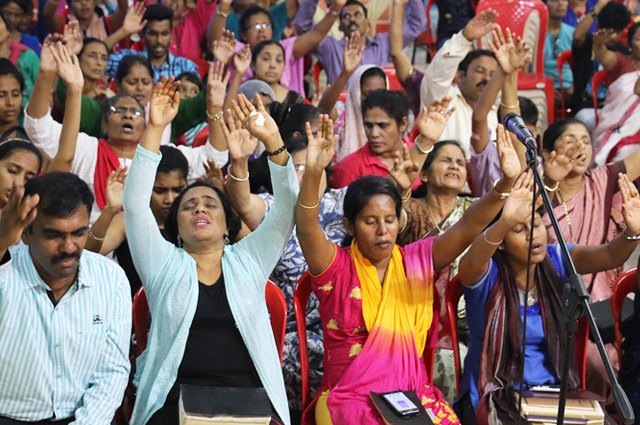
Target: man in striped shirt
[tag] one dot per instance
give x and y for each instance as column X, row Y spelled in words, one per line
column 65, row 313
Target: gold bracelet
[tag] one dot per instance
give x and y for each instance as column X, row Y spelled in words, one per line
column 307, row 207
column 550, row 189
column 214, row 117
column 510, row 106
column 501, row 195
column 407, row 196
column 484, row 235
column 95, row 238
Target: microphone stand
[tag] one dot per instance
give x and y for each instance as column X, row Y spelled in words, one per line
column 576, row 302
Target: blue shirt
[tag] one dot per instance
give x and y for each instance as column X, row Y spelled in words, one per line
column 538, row 369
column 174, row 65
column 31, row 42
column 71, row 359
column 278, row 13
column 552, row 49
column 571, row 18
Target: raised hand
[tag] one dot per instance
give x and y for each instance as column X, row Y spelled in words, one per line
column 404, row 171
column 17, row 215
column 321, row 147
column 630, row 204
column 47, row 62
column 68, row 66
column 165, row 102
column 115, row 188
column 134, row 20
column 432, row 121
column 239, row 141
column 72, row 37
column 509, row 161
column 480, row 25
column 518, row 205
column 213, row 174
column 242, row 60
column 559, row 163
column 353, row 51
column 259, row 123
column 217, row 80
column 510, row 52
column 317, row 96
column 223, row 49
column 604, row 36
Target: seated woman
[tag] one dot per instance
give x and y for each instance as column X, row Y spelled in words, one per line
column 93, row 60
column 376, row 299
column 267, row 64
column 199, row 277
column 14, row 13
column 629, row 376
column 494, row 272
column 20, row 161
column 11, row 89
column 21, row 56
column 91, row 158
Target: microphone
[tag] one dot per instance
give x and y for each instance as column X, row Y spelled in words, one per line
column 514, row 123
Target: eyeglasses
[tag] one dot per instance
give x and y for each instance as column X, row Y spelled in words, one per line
column 258, row 27
column 122, row 110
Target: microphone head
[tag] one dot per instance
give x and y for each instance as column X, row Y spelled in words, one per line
column 510, row 117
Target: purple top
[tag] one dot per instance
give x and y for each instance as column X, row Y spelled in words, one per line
column 330, row 51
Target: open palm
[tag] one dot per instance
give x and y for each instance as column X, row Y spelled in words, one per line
column 403, row 170
column 265, row 128
column 432, row 121
column 165, row 102
column 239, row 141
column 509, row 162
column 518, row 206
column 321, row 147
column 630, row 203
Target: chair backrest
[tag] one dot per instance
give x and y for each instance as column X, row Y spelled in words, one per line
column 276, row 303
column 528, row 19
column 317, row 69
column 301, row 294
column 394, row 83
column 623, row 286
column 598, row 77
column 429, row 38
column 565, row 57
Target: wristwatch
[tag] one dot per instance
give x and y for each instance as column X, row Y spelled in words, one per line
column 593, row 14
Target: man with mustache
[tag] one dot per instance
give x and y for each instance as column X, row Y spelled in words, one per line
column 65, row 312
column 462, row 73
column 352, row 18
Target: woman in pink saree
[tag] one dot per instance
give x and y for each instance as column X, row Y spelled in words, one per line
column 376, row 298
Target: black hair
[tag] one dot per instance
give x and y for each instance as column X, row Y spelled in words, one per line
column 61, row 194
column 394, row 103
column 614, row 16
column 128, row 62
column 260, row 46
column 12, row 145
column 90, row 40
column 173, row 161
column 231, row 218
column 421, row 191
column 296, row 144
column 357, row 3
column 158, row 12
column 360, row 192
column 107, row 104
column 247, row 14
column 555, row 129
column 192, row 78
column 8, row 68
column 296, row 118
column 528, row 110
column 25, row 5
column 631, row 33
column 374, row 71
column 473, row 55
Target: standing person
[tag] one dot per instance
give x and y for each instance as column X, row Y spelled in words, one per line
column 70, row 365
column 200, row 276
column 353, row 18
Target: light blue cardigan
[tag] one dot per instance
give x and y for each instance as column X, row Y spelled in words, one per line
column 170, row 281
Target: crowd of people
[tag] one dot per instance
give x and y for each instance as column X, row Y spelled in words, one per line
column 178, row 150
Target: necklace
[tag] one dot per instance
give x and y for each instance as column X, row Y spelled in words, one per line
column 566, row 214
column 531, row 296
column 433, row 220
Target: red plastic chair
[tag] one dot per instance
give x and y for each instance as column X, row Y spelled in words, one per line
column 394, row 83
column 276, row 303
column 565, row 57
column 426, row 39
column 452, row 296
column 624, row 285
column 301, row 294
column 598, row 77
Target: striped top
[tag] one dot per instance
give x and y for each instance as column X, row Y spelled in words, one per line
column 68, row 360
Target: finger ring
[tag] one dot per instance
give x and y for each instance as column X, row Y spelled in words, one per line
column 634, row 195
column 442, row 112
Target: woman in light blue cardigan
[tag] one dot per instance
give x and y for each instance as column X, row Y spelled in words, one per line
column 173, row 273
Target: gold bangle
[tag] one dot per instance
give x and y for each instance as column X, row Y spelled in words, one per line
column 510, row 106
column 307, row 207
column 550, row 189
column 95, row 238
column 501, row 195
column 214, row 117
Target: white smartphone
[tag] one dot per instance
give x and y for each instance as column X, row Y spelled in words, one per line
column 400, row 403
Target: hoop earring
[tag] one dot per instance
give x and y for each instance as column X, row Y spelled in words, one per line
column 226, row 239
column 179, row 242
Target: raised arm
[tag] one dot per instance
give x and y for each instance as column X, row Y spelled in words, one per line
column 218, row 22
column 596, row 258
column 317, row 250
column 606, row 57
column 585, row 22
column 17, row 215
column 50, row 13
column 133, row 23
column 304, row 18
column 416, row 21
column 118, row 15
column 517, row 209
column 217, row 80
column 292, row 7
column 46, row 81
column 242, row 62
column 401, row 61
column 104, row 236
column 448, row 246
column 308, row 41
column 250, row 207
column 70, row 72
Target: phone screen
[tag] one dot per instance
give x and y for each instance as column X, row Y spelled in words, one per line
column 401, row 403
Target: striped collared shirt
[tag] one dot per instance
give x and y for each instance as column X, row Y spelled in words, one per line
column 67, row 360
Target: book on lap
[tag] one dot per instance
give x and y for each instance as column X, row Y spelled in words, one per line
column 223, row 405
column 582, row 408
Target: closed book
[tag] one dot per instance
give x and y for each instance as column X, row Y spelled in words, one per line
column 546, row 409
column 223, row 405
